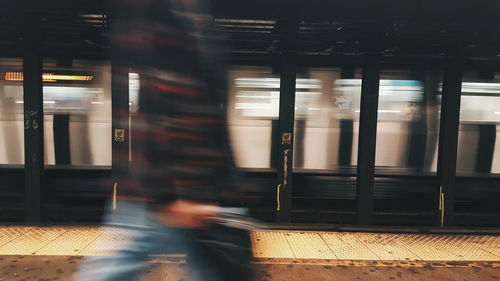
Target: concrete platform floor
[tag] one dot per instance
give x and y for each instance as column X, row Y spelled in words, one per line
column 30, row 253
column 62, row 268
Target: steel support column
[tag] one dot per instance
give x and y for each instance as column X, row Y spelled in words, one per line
column 367, row 139
column 286, row 29
column 286, row 122
column 120, row 115
column 33, row 129
column 448, row 140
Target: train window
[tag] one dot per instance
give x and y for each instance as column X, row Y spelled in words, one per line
column 408, row 122
column 326, row 119
column 133, row 92
column 11, row 113
column 253, row 115
column 77, row 113
column 479, row 134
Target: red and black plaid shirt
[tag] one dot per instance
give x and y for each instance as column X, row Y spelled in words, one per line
column 178, row 136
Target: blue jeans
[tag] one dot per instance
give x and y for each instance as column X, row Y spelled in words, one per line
column 145, row 237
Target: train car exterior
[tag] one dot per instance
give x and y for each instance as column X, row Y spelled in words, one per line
column 77, row 121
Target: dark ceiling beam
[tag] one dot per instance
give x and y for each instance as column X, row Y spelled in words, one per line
column 286, row 28
column 402, row 28
column 422, row 11
column 338, row 59
column 453, row 11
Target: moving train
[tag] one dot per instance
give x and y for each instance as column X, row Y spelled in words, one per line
column 327, row 120
column 327, row 111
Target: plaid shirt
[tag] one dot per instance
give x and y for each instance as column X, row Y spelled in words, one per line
column 179, row 141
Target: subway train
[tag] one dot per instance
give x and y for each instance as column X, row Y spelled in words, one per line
column 76, row 98
column 327, row 107
column 327, row 119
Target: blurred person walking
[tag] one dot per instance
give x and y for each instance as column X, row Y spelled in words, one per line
column 169, row 192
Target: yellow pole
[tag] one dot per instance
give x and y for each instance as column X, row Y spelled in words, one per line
column 114, row 195
column 278, row 207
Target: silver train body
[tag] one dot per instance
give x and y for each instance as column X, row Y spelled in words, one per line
column 327, row 121
column 326, row 114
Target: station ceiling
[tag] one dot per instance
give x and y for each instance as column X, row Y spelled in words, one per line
column 261, row 29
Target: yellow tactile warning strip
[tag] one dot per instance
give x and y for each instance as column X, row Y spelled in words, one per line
column 489, row 245
column 264, row 242
column 270, row 245
column 72, row 241
column 388, row 246
column 106, row 242
column 31, row 241
column 456, row 247
column 9, row 233
column 306, row 245
column 346, row 246
column 377, row 246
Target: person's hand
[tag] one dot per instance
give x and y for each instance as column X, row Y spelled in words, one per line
column 187, row 214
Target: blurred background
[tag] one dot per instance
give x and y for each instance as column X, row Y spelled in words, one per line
column 327, row 44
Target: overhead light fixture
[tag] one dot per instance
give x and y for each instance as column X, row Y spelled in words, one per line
column 245, row 21
column 13, row 76
column 64, row 77
column 49, row 77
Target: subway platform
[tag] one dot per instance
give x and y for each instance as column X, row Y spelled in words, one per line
column 54, row 253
